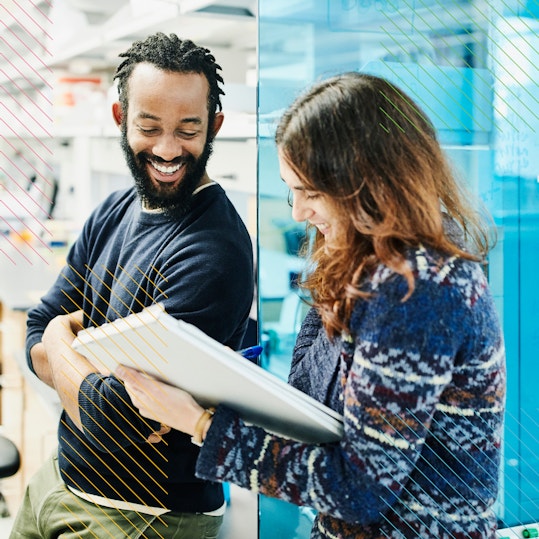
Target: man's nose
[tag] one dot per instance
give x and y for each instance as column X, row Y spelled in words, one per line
column 167, row 147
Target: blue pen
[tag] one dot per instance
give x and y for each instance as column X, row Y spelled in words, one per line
column 252, row 352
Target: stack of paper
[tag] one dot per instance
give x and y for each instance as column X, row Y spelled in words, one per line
column 154, row 342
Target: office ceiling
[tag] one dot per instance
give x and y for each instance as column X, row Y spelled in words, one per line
column 110, row 26
column 85, row 36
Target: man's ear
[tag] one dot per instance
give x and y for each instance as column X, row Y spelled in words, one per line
column 217, row 123
column 117, row 113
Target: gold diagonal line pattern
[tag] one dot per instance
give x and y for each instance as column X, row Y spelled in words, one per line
column 84, row 510
column 93, row 289
column 109, row 288
column 140, row 303
column 130, row 277
column 97, row 473
column 150, row 280
column 156, row 318
column 121, row 414
column 112, row 502
column 156, row 271
column 75, row 401
column 74, row 286
column 117, row 281
column 108, row 434
column 129, row 312
column 79, row 307
column 149, row 361
column 101, row 494
column 78, row 435
column 81, row 439
column 67, row 525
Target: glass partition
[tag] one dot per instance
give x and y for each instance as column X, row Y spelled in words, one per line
column 472, row 65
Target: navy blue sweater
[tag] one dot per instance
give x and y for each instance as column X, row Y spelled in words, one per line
column 200, row 267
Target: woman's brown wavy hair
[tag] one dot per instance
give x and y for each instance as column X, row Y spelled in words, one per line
column 361, row 141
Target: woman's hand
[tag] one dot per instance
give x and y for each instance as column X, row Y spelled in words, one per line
column 159, row 401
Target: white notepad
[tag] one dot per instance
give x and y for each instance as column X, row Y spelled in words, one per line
column 179, row 353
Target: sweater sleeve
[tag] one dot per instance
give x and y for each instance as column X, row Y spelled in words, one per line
column 403, row 360
column 63, row 297
column 109, row 420
column 313, row 358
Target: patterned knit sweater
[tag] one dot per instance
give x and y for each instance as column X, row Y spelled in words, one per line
column 421, row 385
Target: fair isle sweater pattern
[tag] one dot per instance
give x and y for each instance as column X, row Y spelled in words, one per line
column 421, row 385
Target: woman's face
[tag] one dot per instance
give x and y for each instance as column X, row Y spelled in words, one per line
column 314, row 207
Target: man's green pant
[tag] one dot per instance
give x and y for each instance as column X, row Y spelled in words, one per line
column 50, row 510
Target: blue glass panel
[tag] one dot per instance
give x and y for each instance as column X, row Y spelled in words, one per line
column 473, row 67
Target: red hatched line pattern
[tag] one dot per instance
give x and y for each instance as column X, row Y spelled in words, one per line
column 26, row 122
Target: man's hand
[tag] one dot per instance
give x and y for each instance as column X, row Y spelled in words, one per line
column 66, row 368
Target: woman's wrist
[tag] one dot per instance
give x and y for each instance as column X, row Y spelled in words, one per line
column 207, row 427
column 202, row 425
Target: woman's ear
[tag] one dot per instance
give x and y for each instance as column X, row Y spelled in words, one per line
column 117, row 113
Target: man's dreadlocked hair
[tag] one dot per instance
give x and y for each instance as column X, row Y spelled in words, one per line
column 170, row 53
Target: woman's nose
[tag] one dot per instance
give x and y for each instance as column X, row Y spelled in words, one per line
column 300, row 209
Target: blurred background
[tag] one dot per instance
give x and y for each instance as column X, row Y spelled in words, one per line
column 471, row 64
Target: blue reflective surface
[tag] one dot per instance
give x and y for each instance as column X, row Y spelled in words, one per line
column 472, row 66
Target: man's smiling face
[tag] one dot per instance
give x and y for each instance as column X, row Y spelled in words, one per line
column 165, row 135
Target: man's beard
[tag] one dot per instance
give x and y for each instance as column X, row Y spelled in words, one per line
column 176, row 200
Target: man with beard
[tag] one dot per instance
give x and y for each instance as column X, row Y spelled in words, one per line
column 174, row 238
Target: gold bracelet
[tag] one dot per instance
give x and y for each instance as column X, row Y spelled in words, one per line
column 199, row 427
